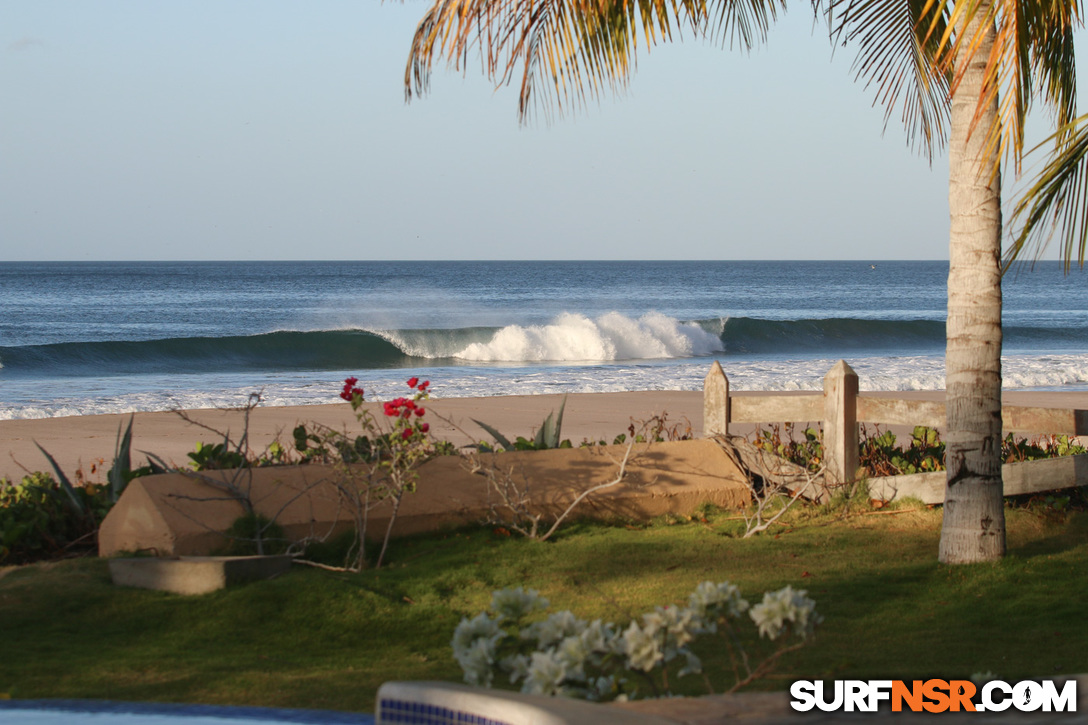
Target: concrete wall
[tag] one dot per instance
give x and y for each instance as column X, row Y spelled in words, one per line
column 176, row 514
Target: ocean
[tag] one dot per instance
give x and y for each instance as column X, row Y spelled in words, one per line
column 109, row 337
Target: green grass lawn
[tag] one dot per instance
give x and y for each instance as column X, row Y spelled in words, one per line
column 316, row 639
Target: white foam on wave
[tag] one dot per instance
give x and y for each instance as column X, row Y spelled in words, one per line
column 1044, row 371
column 908, row 372
column 430, row 344
column 24, row 399
column 612, row 336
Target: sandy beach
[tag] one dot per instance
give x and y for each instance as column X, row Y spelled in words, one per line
column 86, row 441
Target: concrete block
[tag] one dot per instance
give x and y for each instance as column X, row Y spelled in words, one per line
column 180, row 514
column 195, row 574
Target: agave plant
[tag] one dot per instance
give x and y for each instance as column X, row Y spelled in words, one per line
column 548, row 435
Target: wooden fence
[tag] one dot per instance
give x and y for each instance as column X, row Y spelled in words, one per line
column 841, row 408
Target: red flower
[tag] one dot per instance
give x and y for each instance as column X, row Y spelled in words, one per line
column 406, row 413
column 350, row 391
column 424, row 427
column 412, row 382
column 393, row 407
column 406, row 434
column 420, row 412
column 423, row 385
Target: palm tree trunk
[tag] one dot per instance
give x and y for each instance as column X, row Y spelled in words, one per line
column 974, row 518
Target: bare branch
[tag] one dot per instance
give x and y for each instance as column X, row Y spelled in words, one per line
column 618, row 478
column 770, row 479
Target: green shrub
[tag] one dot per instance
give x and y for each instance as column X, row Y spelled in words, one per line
column 215, row 457
column 253, row 534
column 807, row 452
column 39, row 519
column 880, row 455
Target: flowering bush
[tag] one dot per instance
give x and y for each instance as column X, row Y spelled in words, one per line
column 379, row 466
column 404, row 412
column 564, row 655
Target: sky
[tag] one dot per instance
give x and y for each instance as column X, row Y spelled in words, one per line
column 269, row 130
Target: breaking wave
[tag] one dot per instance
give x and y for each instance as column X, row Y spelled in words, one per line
column 568, row 338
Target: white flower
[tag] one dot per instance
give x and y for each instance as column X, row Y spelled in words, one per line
column 680, row 624
column 475, row 642
column 516, row 603
column 572, row 652
column 655, row 621
column 545, row 675
column 554, row 629
column 516, row 665
column 476, row 662
column 785, row 605
column 573, row 657
column 770, row 615
column 711, row 601
column 642, row 648
column 471, row 629
column 600, row 638
column 806, row 618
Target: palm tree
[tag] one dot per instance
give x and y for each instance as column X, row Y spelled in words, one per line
column 962, row 73
column 973, row 527
column 985, row 58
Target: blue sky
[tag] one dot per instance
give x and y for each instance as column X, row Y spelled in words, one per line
column 266, row 129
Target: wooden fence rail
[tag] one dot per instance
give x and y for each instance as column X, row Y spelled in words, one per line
column 841, row 408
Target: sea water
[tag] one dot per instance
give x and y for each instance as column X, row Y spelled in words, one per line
column 84, row 338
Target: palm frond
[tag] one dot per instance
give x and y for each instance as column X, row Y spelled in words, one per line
column 1031, row 57
column 1034, row 48
column 743, row 24
column 901, row 52
column 564, row 52
column 1050, row 29
column 1008, row 79
column 1056, row 203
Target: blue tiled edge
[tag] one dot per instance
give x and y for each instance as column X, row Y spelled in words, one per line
column 268, row 714
column 419, row 713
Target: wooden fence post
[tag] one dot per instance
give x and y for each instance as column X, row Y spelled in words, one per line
column 715, row 402
column 840, row 424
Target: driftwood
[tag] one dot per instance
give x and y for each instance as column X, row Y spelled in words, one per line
column 776, row 484
column 766, row 470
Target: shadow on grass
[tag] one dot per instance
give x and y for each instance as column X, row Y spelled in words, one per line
column 1062, row 532
column 316, row 639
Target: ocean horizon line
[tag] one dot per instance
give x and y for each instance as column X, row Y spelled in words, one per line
column 867, row 260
